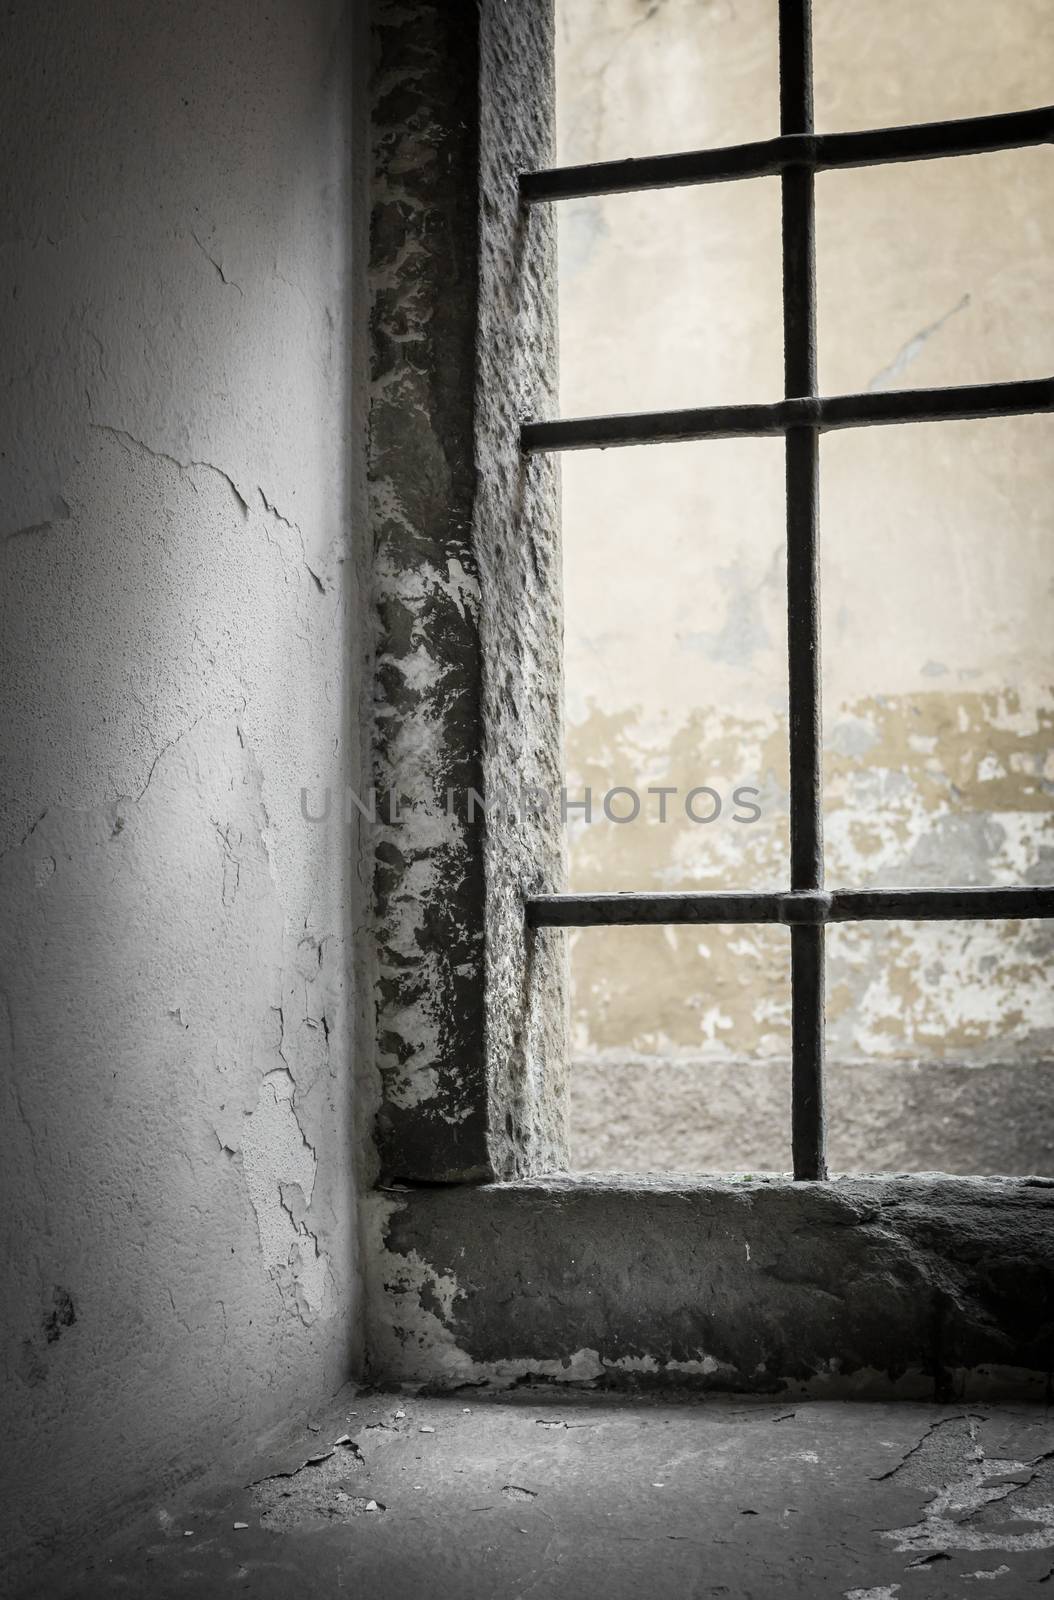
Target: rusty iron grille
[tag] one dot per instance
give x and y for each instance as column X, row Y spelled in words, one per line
column 801, row 416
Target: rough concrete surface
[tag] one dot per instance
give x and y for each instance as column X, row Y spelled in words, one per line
column 677, row 1113
column 180, row 627
column 546, row 1495
column 887, row 1286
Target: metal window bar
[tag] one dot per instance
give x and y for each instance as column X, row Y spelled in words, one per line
column 797, row 155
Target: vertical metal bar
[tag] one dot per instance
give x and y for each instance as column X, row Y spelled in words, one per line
column 808, row 1119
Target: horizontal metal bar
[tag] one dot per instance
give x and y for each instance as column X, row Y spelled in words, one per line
column 652, row 427
column 811, row 907
column 603, row 910
column 939, row 905
column 963, row 403
column 822, row 152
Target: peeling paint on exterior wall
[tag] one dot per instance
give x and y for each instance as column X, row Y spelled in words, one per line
column 896, row 814
column 938, row 673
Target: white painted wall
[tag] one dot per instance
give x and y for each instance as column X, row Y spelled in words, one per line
column 179, row 627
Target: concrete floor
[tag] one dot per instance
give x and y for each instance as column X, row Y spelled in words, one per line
column 543, row 1494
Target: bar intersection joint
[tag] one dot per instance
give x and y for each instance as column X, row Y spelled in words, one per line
column 962, row 403
column 820, row 152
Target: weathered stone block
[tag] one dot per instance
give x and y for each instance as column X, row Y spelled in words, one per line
column 899, row 1285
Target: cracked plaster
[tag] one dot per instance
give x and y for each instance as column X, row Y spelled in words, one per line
column 181, row 625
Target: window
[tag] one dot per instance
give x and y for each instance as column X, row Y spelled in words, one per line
column 795, row 156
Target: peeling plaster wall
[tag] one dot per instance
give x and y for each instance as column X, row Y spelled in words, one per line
column 471, row 1042
column 937, row 581
column 181, row 618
